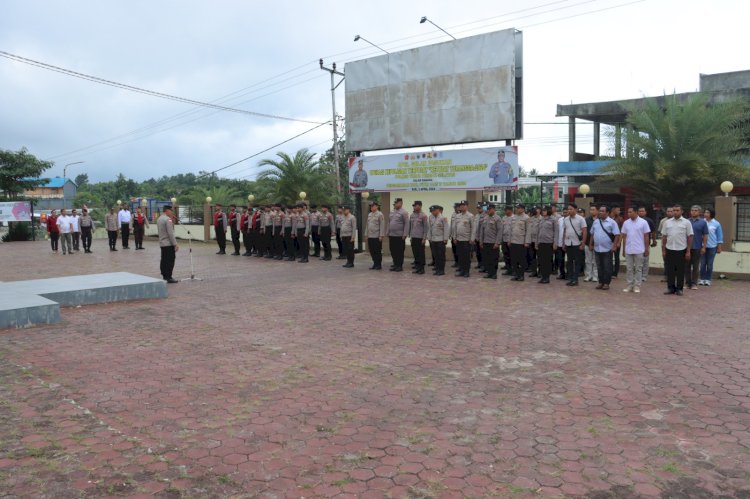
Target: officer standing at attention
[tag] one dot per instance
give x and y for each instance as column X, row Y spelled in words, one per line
column 463, row 234
column 326, row 224
column 477, row 224
column 506, row 238
column 255, row 231
column 417, row 231
column 348, row 229
column 233, row 220
column 453, row 241
column 245, row 230
column 339, row 217
column 301, row 232
column 534, row 218
column 268, row 231
column 277, row 217
column 438, row 233
column 398, row 230
column 315, row 229
column 220, row 229
column 546, row 239
column 167, row 243
column 375, row 234
column 140, row 222
column 520, row 238
column 490, row 237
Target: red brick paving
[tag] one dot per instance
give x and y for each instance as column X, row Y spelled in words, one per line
column 279, row 379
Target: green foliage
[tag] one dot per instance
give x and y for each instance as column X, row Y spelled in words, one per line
column 223, row 194
column 291, row 174
column 16, row 168
column 18, row 231
column 82, row 180
column 530, row 197
column 682, row 151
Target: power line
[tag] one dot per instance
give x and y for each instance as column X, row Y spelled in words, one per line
column 131, row 88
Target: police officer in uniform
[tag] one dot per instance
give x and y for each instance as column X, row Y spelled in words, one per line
column 463, row 234
column 375, row 234
column 490, row 237
column 453, row 241
column 339, row 217
column 417, row 232
column 220, row 229
column 140, row 222
column 506, row 238
column 245, row 230
column 438, row 233
column 290, row 222
column 167, row 243
column 477, row 244
column 268, row 231
column 348, row 229
column 520, row 238
column 256, row 231
column 398, row 231
column 277, row 217
column 531, row 258
column 326, row 223
column 234, row 228
column 301, row 233
column 546, row 239
column 315, row 229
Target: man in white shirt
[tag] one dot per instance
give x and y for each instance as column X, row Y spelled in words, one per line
column 574, row 240
column 676, row 240
column 125, row 219
column 635, row 238
column 75, row 220
column 65, row 226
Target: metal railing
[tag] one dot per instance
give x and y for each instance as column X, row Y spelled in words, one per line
column 743, row 222
column 190, row 215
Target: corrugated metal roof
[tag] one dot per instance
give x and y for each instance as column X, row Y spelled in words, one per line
column 53, row 183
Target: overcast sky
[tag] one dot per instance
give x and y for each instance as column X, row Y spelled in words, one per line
column 266, row 53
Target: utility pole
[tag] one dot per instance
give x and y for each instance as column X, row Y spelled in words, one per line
column 334, row 86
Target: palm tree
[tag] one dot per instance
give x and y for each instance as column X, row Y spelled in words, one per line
column 681, row 151
column 289, row 175
column 222, row 194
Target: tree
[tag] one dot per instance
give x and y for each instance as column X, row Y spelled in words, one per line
column 222, row 194
column 20, row 171
column 82, row 180
column 682, row 151
column 290, row 175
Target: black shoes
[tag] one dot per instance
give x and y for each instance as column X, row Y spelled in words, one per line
column 172, row 281
column 490, row 277
column 341, row 257
column 376, row 267
column 418, row 271
column 236, row 253
column 221, row 252
column 572, row 283
column 397, row 269
column 543, row 281
column 348, row 265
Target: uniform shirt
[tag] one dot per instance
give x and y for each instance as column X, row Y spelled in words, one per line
column 166, row 231
column 560, row 230
column 573, row 230
column 255, row 220
column 124, row 217
column 87, row 221
column 326, row 220
column 220, row 219
column 634, row 231
column 478, row 224
column 715, row 234
column 398, row 223
column 63, row 224
column 677, row 231
column 438, row 228
column 602, row 242
column 490, row 229
column 244, row 218
column 277, row 218
column 348, row 226
column 292, row 220
column 463, row 227
column 375, row 224
column 547, row 231
column 288, row 219
column 302, row 223
column 700, row 229
column 506, row 228
column 315, row 218
column 534, row 228
column 110, row 221
column 75, row 220
column 520, row 233
column 233, row 220
column 418, row 225
column 338, row 221
column 267, row 219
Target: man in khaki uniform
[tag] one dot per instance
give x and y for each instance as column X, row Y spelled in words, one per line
column 520, row 238
column 490, row 237
column 326, row 225
column 375, row 235
column 438, row 233
column 112, row 225
column 417, row 233
column 463, row 234
column 348, row 229
column 506, row 238
column 167, row 243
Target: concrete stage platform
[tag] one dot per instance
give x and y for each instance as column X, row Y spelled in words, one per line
column 25, row 303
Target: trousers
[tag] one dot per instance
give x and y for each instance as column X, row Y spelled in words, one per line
column 635, row 269
column 544, row 257
column 221, row 237
column 464, row 256
column 575, row 262
column 375, row 245
column 707, row 264
column 86, row 237
column 112, row 235
column 675, row 265
column 417, row 249
column 692, row 270
column 236, row 239
column 437, row 248
column 590, row 264
column 67, row 241
column 324, row 235
column 604, row 266
column 517, row 260
column 167, row 261
column 125, row 233
column 54, row 237
column 397, row 246
column 490, row 257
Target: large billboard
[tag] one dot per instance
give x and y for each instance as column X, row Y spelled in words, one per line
column 15, row 211
column 462, row 91
column 489, row 169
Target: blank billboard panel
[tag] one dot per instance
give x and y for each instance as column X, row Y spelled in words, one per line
column 449, row 93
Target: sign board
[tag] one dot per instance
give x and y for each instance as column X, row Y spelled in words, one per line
column 455, row 92
column 15, row 211
column 489, row 169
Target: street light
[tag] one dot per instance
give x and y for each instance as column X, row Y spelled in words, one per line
column 424, row 20
column 250, row 198
column 209, row 199
column 65, row 168
column 726, row 188
column 302, row 195
column 357, row 38
column 365, row 195
column 584, row 189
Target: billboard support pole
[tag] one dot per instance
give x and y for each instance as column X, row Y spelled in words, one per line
column 335, row 85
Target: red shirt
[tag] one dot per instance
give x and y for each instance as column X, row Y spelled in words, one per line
column 52, row 224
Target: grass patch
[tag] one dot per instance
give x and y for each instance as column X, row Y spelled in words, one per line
column 225, row 479
column 342, row 482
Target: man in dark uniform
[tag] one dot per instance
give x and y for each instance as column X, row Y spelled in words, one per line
column 438, row 234
column 490, row 235
column 167, row 243
column 220, row 229
column 234, row 228
column 245, row 229
column 267, row 231
column 140, row 222
column 418, row 227
column 398, row 230
column 255, row 231
column 477, row 244
column 326, row 224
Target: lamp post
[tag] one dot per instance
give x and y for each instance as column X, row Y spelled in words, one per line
column 207, row 219
column 361, row 210
column 358, row 38
column 424, row 20
column 302, row 196
column 334, row 85
column 726, row 188
column 584, row 189
column 250, row 199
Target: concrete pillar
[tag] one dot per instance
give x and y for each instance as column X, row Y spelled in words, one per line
column 597, row 129
column 207, row 219
column 571, row 138
column 472, row 198
column 585, row 203
column 385, row 207
column 726, row 214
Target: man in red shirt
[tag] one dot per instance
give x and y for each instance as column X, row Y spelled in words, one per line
column 140, row 222
column 220, row 229
column 245, row 229
column 53, row 230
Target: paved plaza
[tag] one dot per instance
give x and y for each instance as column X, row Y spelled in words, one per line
column 278, row 379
